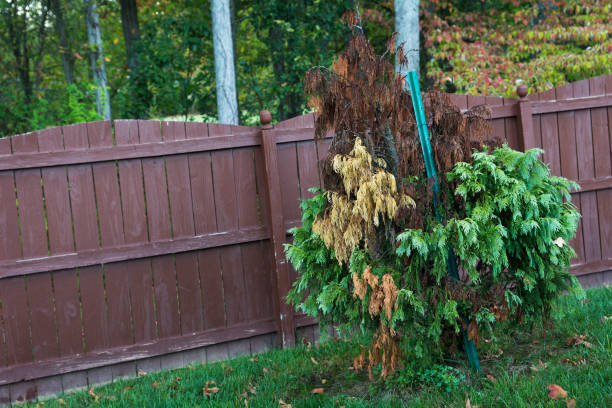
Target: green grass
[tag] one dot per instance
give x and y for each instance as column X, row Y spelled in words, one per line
column 291, row 375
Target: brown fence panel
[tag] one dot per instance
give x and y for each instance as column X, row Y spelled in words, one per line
column 167, row 236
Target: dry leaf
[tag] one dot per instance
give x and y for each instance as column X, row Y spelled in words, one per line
column 61, row 402
column 319, row 390
column 468, row 404
column 141, row 373
column 571, row 403
column 556, row 392
column 559, row 242
column 323, row 381
column 93, row 395
column 578, row 340
column 283, row 404
column 265, row 370
column 77, row 55
column 254, row 360
column 491, row 378
column 539, row 367
column 313, row 360
column 155, row 385
column 227, row 369
column 577, row 362
column 208, row 390
column 252, row 389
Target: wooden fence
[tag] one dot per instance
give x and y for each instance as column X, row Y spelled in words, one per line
column 147, row 244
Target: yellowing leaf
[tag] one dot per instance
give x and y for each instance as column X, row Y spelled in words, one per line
column 313, row 360
column 556, row 392
column 571, row 403
column 491, row 378
column 319, row 390
column 283, row 404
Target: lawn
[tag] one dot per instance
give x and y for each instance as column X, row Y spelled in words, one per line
column 517, row 367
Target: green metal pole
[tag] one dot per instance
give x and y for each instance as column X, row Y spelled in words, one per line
column 430, row 167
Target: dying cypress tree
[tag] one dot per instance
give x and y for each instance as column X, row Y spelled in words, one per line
column 371, row 252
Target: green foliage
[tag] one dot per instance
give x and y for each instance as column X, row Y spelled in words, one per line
column 510, row 240
column 438, row 377
column 55, row 107
column 323, row 288
column 486, row 47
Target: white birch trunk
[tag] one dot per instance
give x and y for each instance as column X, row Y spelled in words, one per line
column 97, row 59
column 407, row 28
column 227, row 100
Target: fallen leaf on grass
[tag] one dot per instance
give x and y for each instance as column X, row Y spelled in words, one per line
column 556, row 392
column 491, row 378
column 578, row 340
column 142, row 373
column 228, row 369
column 571, row 403
column 174, row 383
column 61, row 402
column 254, row 360
column 468, row 404
column 265, row 370
column 252, row 389
column 605, row 319
column 539, row 367
column 319, row 390
column 577, row 362
column 313, row 360
column 323, row 381
column 208, row 390
column 93, row 395
column 283, row 404
column 155, row 385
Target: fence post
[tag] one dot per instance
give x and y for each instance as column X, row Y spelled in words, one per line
column 525, row 119
column 277, row 227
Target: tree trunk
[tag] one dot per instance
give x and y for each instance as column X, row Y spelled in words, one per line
column 407, row 28
column 131, row 31
column 64, row 47
column 227, row 101
column 97, row 59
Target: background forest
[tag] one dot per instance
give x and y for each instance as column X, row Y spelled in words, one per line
column 159, row 60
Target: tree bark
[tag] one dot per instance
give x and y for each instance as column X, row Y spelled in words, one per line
column 407, row 28
column 64, row 47
column 131, row 31
column 96, row 57
column 227, row 100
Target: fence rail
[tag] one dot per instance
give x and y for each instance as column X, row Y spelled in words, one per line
column 124, row 244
